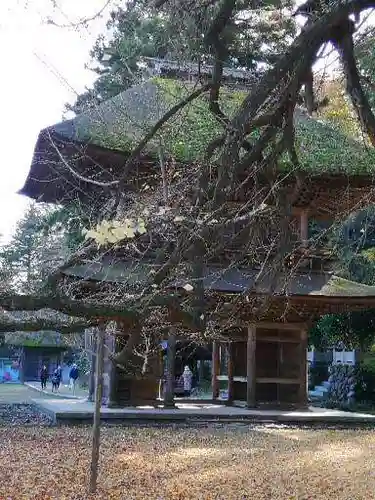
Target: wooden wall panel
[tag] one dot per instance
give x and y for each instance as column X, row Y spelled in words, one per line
column 266, row 359
column 239, row 359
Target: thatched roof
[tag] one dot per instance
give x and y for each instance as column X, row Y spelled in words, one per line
column 96, row 143
column 34, row 328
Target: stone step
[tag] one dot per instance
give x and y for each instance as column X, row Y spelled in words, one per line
column 315, row 394
column 314, row 398
column 318, row 394
column 321, row 388
column 326, row 384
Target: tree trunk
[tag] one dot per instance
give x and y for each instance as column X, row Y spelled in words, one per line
column 171, row 360
column 92, row 378
column 91, row 346
column 98, row 404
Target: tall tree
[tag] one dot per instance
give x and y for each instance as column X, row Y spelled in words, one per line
column 29, row 255
column 43, row 239
column 253, row 39
column 366, row 62
column 338, row 110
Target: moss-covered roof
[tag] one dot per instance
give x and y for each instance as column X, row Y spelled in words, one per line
column 340, row 287
column 36, row 339
column 121, row 122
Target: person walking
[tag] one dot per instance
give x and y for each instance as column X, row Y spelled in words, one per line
column 187, row 376
column 59, row 376
column 73, row 376
column 55, row 381
column 43, row 377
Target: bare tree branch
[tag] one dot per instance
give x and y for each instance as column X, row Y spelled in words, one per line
column 84, row 21
column 76, row 174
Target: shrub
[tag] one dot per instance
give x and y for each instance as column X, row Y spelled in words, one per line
column 365, row 386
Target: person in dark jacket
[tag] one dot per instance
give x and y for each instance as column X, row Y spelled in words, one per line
column 73, row 376
column 59, row 376
column 43, row 377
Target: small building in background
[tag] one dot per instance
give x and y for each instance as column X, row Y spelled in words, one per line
column 9, row 364
column 333, row 356
column 30, row 351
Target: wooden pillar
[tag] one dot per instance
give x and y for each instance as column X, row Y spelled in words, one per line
column 201, row 372
column 251, row 366
column 92, row 377
column 22, row 365
column 215, row 369
column 304, row 227
column 230, row 372
column 97, row 408
column 161, row 374
column 113, row 375
column 91, row 344
column 302, row 396
column 171, row 361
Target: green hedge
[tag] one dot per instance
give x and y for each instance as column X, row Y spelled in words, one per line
column 365, row 387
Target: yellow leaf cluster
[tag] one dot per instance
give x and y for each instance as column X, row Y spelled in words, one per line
column 112, row 232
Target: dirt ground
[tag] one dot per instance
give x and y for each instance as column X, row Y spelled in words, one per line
column 233, row 461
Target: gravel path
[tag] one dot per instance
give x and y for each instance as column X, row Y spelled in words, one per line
column 18, row 393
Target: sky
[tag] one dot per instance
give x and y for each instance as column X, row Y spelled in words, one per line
column 33, row 97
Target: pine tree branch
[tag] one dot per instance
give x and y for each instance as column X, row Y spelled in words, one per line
column 214, row 38
column 345, row 47
column 30, row 324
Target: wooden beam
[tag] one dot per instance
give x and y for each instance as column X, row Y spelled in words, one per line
column 302, row 396
column 277, row 380
column 230, row 372
column 274, row 325
column 304, row 225
column 171, row 360
column 317, row 213
column 215, row 369
column 250, row 366
column 280, row 340
column 111, row 369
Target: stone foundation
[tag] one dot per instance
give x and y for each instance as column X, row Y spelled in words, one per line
column 342, row 381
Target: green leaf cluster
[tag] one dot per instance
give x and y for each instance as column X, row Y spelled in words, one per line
column 137, row 30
